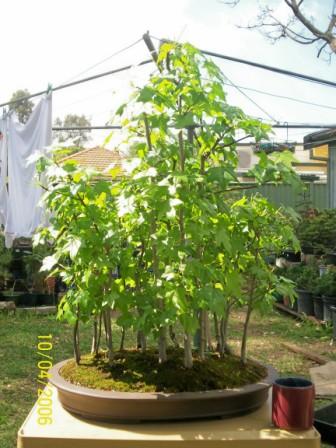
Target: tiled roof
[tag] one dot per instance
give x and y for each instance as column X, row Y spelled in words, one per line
column 98, row 158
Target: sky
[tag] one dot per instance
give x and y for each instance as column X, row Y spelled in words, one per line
column 58, row 41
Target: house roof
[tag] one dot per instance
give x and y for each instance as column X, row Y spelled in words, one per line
column 319, row 138
column 99, row 158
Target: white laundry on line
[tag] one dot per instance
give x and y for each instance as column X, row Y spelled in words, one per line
column 23, row 214
column 3, row 171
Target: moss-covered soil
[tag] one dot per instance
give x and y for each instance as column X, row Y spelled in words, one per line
column 140, row 372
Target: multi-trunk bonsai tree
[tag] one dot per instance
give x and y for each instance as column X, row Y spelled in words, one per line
column 164, row 243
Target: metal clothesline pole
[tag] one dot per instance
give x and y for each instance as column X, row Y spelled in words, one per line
column 148, row 61
column 278, row 126
column 80, row 81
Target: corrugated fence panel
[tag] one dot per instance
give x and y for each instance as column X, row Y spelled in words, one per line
column 315, row 195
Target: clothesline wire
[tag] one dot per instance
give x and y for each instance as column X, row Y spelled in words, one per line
column 80, row 81
column 251, row 100
column 122, row 50
column 263, row 66
column 277, row 126
column 209, row 53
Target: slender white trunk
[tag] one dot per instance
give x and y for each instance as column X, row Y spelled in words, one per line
column 188, row 360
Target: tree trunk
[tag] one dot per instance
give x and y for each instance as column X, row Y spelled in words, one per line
column 122, row 340
column 141, row 341
column 107, row 314
column 188, row 360
column 217, row 333
column 203, row 341
column 76, row 342
column 99, row 333
column 224, row 346
column 173, row 336
column 244, row 338
column 251, row 289
column 94, row 336
column 162, row 345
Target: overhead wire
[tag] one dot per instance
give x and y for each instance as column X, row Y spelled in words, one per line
column 281, row 71
column 122, row 50
column 251, row 100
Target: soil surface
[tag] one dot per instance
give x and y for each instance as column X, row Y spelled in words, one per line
column 133, row 371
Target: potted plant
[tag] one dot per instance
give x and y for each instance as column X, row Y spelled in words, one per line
column 317, row 233
column 326, row 288
column 40, row 294
column 305, row 282
column 5, row 262
column 183, row 251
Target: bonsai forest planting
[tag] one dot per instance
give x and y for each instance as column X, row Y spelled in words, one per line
column 165, row 247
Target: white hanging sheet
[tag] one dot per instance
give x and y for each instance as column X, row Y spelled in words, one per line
column 3, row 171
column 23, row 213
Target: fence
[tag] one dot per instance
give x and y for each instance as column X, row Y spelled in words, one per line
column 315, row 195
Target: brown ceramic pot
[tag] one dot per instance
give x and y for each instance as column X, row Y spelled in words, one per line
column 149, row 406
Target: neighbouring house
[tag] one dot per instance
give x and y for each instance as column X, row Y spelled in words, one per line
column 101, row 159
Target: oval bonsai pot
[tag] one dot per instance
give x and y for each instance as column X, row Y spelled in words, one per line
column 305, row 302
column 157, row 406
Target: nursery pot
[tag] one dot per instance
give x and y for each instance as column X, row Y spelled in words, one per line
column 293, row 257
column 330, row 258
column 333, row 315
column 292, row 403
column 318, row 307
column 327, row 303
column 305, row 302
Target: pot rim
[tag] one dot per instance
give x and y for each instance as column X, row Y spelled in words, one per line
column 283, row 386
column 60, row 383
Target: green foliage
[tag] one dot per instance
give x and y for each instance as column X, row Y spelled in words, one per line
column 326, row 284
column 23, row 108
column 5, row 260
column 318, row 232
column 304, row 276
column 171, row 226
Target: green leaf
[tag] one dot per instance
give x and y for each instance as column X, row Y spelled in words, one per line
column 184, row 121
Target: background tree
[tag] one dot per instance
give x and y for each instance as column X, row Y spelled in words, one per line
column 299, row 27
column 79, row 137
column 23, row 108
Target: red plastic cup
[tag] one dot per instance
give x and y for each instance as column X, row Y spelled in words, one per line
column 292, row 403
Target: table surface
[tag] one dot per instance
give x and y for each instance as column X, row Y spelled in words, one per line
column 69, row 431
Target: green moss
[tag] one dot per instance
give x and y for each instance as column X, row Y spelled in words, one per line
column 141, row 372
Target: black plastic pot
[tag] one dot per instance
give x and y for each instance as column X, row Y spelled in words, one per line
column 318, row 307
column 333, row 317
column 325, row 423
column 307, row 250
column 327, row 303
column 305, row 302
column 16, row 297
column 27, row 299
column 330, row 258
column 45, row 299
column 294, row 257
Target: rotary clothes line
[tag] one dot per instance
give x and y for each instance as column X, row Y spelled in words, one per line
column 20, row 213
